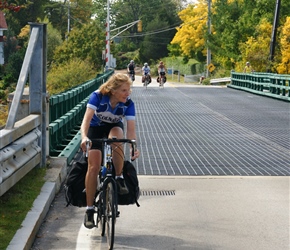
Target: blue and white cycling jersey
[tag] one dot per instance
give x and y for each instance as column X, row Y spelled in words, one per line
column 146, row 70
column 104, row 112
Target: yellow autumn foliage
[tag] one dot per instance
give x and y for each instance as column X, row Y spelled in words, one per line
column 190, row 35
column 284, row 66
column 256, row 49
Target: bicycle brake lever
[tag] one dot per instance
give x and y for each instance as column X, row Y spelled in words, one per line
column 88, row 142
column 133, row 148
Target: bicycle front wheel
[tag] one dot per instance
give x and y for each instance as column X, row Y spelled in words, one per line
column 110, row 213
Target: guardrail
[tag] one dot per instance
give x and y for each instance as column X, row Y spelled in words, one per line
column 23, row 143
column 267, row 84
column 220, row 80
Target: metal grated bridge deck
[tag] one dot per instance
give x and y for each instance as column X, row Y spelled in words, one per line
column 211, row 131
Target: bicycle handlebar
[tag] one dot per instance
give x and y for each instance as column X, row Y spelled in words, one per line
column 112, row 140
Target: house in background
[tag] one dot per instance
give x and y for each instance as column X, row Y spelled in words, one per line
column 3, row 26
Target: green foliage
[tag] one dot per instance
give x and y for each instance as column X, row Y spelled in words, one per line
column 15, row 204
column 177, row 63
column 68, row 75
column 206, row 81
column 53, row 41
column 14, row 65
column 220, row 73
column 10, row 45
column 2, row 94
column 152, row 47
column 84, row 44
column 124, row 58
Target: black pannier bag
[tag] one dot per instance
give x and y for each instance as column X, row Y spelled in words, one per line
column 75, row 184
column 131, row 180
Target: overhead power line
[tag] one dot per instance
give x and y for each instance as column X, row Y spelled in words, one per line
column 161, row 30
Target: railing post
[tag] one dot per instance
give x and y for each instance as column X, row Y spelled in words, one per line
column 37, row 83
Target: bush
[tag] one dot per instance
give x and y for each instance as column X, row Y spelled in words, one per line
column 65, row 76
column 206, row 81
column 2, row 94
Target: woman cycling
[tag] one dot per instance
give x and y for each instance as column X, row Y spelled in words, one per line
column 161, row 72
column 131, row 70
column 106, row 110
column 146, row 71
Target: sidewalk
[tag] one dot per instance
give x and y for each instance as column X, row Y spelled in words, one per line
column 185, row 212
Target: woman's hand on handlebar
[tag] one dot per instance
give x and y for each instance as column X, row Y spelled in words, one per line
column 86, row 143
column 136, row 154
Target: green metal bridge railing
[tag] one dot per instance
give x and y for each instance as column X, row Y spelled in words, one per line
column 66, row 111
column 268, row 84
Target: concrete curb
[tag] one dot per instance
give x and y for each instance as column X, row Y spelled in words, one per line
column 25, row 235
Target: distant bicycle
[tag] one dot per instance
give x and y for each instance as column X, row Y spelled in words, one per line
column 146, row 80
column 132, row 75
column 106, row 201
column 162, row 79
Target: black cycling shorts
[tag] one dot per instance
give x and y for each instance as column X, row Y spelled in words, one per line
column 102, row 132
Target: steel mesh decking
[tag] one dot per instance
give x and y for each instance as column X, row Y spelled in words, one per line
column 211, row 131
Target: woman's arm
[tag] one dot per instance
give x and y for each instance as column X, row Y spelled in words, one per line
column 131, row 134
column 85, row 127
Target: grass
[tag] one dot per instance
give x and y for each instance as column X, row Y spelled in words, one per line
column 16, row 203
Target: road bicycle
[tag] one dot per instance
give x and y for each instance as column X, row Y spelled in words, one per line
column 146, row 80
column 132, row 75
column 106, row 199
column 162, row 80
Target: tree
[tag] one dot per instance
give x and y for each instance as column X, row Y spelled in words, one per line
column 190, row 35
column 68, row 15
column 284, row 66
column 159, row 30
column 256, row 49
column 152, row 48
column 85, row 44
column 31, row 11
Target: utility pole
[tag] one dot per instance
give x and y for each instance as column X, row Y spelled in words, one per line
column 108, row 56
column 68, row 18
column 274, row 32
column 208, row 60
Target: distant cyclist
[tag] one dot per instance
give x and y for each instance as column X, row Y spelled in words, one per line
column 248, row 68
column 146, row 71
column 161, row 72
column 131, row 70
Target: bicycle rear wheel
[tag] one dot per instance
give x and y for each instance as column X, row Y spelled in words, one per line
column 162, row 82
column 110, row 213
column 146, row 82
